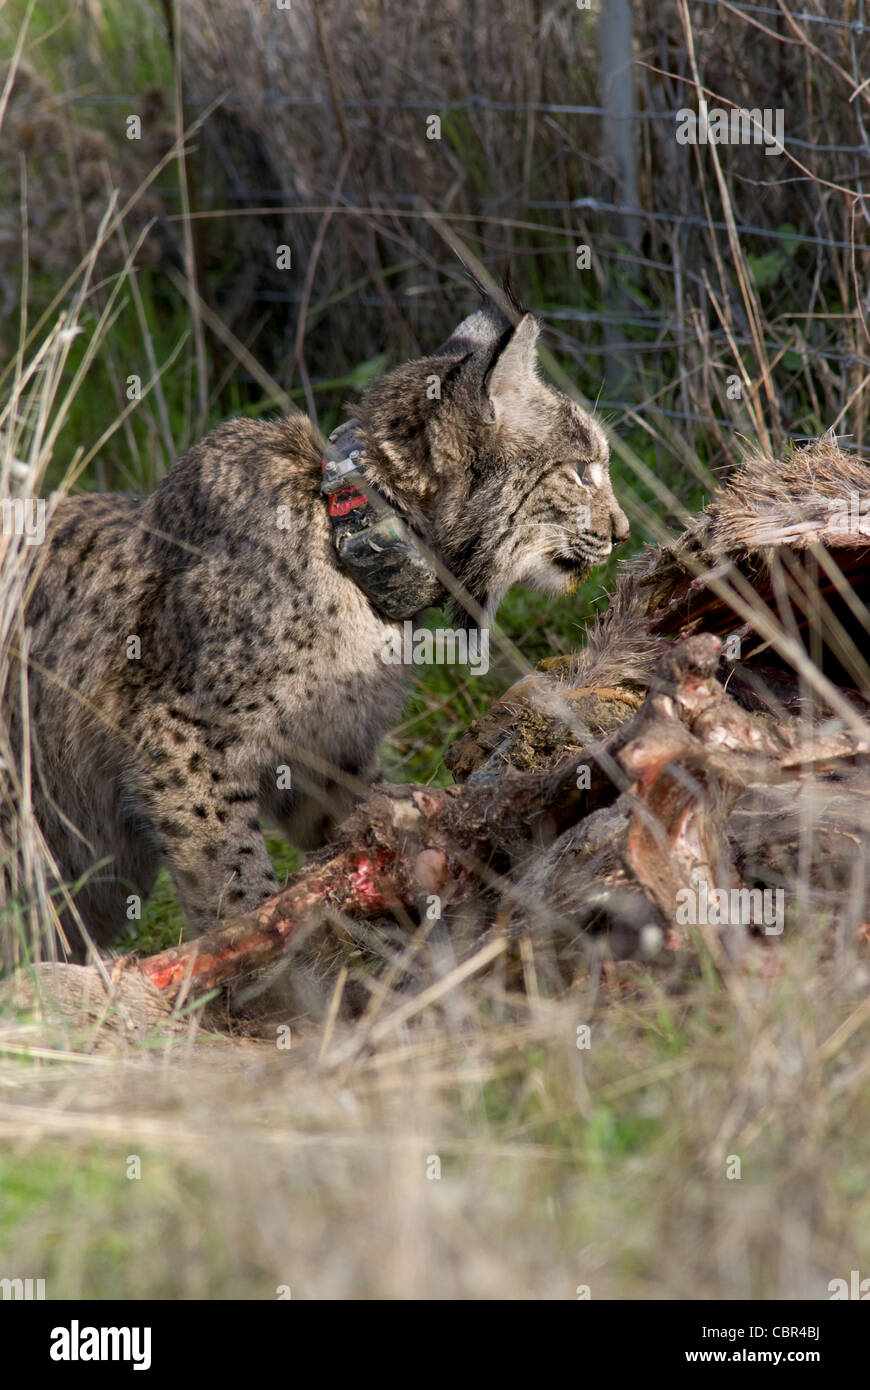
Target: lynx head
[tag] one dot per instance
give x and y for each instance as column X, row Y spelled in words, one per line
column 505, row 477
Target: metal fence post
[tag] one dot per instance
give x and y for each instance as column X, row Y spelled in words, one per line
column 619, row 131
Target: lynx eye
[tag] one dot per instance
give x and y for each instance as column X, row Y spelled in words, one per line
column 590, row 474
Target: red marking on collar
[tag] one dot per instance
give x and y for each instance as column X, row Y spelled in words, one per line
column 340, row 503
column 347, row 499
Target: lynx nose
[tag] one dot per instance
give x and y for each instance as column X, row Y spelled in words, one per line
column 619, row 527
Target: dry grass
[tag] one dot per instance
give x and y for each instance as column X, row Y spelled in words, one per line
column 738, row 263
column 558, row 1167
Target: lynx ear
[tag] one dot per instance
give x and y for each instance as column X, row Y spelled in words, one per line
column 481, row 331
column 513, row 373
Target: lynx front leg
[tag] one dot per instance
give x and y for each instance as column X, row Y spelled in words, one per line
column 217, row 856
column 206, row 822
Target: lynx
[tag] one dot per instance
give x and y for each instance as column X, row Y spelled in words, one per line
column 201, row 659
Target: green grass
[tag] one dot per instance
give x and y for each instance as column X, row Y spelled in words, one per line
column 80, row 45
column 165, row 1206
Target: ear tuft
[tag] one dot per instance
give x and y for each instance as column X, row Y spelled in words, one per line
column 481, row 331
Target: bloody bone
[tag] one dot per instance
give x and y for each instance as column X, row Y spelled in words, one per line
column 680, row 764
column 401, row 845
column 353, row 881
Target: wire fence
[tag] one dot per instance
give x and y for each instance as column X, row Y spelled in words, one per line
column 640, row 231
